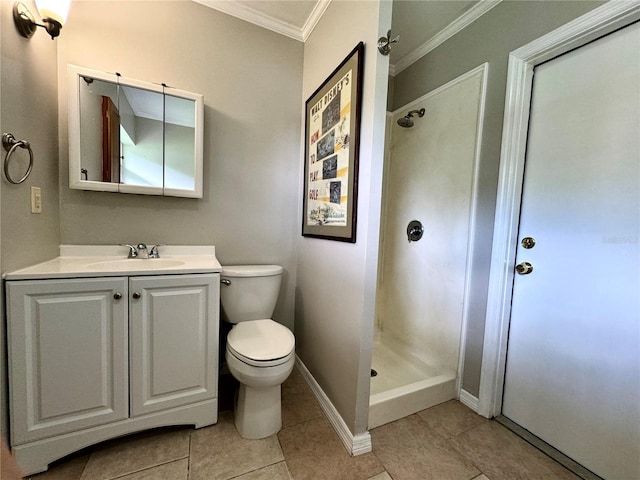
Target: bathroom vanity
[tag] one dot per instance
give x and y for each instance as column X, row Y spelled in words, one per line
column 101, row 346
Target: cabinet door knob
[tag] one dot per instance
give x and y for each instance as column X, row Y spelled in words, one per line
column 136, row 295
column 117, row 295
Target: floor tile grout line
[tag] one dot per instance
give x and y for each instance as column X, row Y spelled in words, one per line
column 473, row 427
column 380, row 462
column 150, row 467
column 84, row 467
column 482, row 472
column 189, row 457
column 451, row 433
column 447, row 441
column 462, row 454
column 284, row 458
column 257, row 469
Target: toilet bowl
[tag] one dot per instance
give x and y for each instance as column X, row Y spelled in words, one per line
column 260, row 352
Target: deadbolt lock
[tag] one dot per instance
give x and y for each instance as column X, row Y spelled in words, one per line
column 528, row 242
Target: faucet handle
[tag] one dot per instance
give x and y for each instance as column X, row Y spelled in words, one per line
column 154, row 253
column 133, row 252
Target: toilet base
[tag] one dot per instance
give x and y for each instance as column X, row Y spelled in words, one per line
column 258, row 412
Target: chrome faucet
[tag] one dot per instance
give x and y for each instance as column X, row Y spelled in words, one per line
column 141, row 251
column 133, row 251
column 154, row 253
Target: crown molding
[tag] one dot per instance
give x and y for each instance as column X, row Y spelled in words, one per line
column 258, row 18
column 314, row 18
column 463, row 21
column 301, row 34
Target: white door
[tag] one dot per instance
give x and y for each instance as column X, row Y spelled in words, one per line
column 573, row 362
column 174, row 340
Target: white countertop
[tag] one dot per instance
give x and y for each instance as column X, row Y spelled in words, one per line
column 76, row 261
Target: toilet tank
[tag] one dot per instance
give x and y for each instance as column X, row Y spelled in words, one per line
column 249, row 292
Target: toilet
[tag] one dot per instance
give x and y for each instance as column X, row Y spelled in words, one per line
column 260, row 352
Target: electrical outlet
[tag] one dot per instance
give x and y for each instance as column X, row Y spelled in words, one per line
column 36, row 200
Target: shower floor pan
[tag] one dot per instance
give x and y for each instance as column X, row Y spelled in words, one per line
column 404, row 385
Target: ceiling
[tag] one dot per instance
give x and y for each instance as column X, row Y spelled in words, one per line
column 417, row 22
column 421, row 24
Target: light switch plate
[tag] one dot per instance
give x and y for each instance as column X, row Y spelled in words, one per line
column 36, row 200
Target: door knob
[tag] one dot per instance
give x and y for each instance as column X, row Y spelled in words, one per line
column 524, row 268
column 136, row 295
column 117, row 295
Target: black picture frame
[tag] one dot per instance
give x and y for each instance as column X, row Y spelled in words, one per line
column 332, row 145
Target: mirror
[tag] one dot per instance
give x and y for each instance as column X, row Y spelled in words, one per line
column 130, row 136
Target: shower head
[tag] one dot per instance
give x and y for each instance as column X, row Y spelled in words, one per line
column 407, row 120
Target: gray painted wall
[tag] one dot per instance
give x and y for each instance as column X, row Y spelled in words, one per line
column 251, row 79
column 489, row 39
column 254, row 90
column 29, row 111
column 336, row 281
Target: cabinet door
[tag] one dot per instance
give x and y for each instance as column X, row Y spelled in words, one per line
column 68, row 355
column 174, row 341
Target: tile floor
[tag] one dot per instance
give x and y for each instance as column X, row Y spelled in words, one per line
column 444, row 442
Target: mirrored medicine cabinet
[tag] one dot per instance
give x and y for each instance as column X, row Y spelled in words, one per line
column 130, row 136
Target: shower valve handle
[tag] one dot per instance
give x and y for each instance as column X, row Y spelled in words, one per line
column 415, row 230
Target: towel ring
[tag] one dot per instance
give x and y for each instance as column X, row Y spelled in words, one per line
column 10, row 144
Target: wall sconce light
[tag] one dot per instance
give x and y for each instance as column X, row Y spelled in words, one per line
column 53, row 13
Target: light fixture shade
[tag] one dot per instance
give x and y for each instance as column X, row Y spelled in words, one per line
column 54, row 9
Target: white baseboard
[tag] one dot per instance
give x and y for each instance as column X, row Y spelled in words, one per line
column 355, row 444
column 469, row 400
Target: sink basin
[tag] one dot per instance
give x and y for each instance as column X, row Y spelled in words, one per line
column 136, row 264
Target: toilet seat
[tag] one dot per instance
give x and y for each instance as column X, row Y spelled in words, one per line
column 261, row 343
column 260, row 363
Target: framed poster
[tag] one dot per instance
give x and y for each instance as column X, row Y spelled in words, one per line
column 332, row 141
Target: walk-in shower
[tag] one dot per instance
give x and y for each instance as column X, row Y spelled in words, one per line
column 429, row 178
column 407, row 120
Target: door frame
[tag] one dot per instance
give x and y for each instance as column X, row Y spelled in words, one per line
column 601, row 21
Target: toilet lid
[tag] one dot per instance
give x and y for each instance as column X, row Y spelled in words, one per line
column 261, row 340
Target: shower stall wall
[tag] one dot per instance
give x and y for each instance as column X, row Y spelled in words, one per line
column 430, row 176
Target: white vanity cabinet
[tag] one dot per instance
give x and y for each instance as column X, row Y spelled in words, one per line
column 95, row 358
